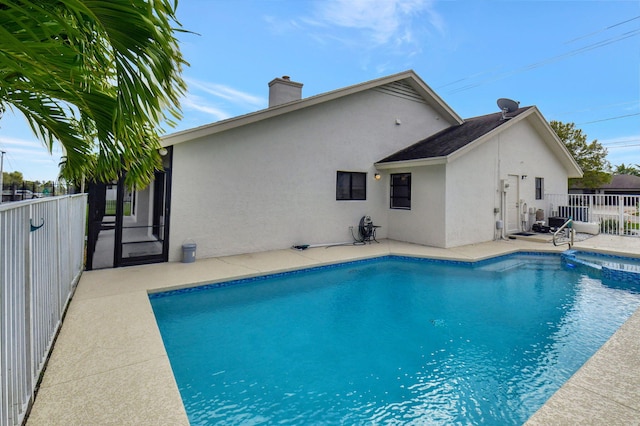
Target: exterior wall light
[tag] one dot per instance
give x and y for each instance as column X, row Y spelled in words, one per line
column 377, row 176
column 162, row 151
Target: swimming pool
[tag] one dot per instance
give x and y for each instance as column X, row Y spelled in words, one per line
column 388, row 340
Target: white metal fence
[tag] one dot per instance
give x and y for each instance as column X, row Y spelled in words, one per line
column 616, row 214
column 41, row 260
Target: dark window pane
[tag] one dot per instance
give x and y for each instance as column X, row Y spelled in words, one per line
column 401, row 191
column 358, row 186
column 343, row 186
column 539, row 188
column 351, row 186
column 401, row 203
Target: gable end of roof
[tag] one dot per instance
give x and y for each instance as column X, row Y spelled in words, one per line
column 452, row 139
column 406, row 84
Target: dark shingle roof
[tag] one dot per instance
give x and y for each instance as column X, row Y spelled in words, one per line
column 453, row 138
column 623, row 182
column 618, row 183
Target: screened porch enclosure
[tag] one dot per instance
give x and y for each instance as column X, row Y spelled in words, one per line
column 128, row 227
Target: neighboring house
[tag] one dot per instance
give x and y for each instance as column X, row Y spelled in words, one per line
column 620, row 185
column 305, row 170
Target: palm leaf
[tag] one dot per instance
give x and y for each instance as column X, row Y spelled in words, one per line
column 97, row 77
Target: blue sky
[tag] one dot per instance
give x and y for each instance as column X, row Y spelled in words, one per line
column 578, row 61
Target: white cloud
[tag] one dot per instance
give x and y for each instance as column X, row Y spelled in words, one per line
column 197, row 103
column 6, row 141
column 382, row 21
column 30, row 157
column 225, row 92
column 17, row 146
column 279, row 26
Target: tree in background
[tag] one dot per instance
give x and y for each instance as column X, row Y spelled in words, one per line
column 591, row 157
column 627, row 170
column 97, row 77
column 12, row 178
column 15, row 180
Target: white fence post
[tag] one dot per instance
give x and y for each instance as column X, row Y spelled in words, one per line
column 615, row 213
column 620, row 201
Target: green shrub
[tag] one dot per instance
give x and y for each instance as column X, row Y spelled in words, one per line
column 610, row 226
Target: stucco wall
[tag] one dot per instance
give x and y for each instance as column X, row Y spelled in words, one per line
column 424, row 223
column 472, row 194
column 272, row 184
column 473, row 181
column 143, row 207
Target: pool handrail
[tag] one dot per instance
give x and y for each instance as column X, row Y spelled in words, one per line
column 567, row 224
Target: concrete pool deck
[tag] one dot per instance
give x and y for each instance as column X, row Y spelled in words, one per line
column 109, row 365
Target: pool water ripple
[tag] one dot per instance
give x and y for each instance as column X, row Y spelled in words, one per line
column 396, row 341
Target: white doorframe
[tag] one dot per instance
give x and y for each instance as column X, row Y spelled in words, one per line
column 513, row 204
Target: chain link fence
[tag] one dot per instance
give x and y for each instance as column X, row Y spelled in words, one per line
column 33, row 190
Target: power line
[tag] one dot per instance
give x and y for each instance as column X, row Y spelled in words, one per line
column 460, row 80
column 599, row 107
column 551, row 60
column 620, row 144
column 587, row 48
column 610, row 118
column 623, row 146
column 602, row 30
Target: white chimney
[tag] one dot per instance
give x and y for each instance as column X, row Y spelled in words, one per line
column 283, row 90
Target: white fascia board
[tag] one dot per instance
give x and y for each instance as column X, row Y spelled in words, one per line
column 220, row 126
column 487, row 136
column 546, row 133
column 411, row 163
column 557, row 146
column 223, row 125
column 438, row 103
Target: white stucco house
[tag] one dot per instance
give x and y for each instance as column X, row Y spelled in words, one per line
column 305, row 170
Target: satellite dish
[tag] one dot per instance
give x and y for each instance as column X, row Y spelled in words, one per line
column 507, row 106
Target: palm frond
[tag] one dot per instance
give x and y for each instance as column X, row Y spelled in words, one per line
column 97, row 77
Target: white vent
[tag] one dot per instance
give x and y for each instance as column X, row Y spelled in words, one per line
column 402, row 90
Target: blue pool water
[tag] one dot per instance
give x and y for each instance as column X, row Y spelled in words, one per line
column 393, row 340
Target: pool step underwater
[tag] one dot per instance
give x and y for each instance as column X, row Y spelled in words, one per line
column 516, row 262
column 619, row 268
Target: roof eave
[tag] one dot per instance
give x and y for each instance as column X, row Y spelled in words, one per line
column 411, row 163
column 538, row 122
column 546, row 132
column 438, row 103
column 557, row 146
column 487, row 136
column 220, row 126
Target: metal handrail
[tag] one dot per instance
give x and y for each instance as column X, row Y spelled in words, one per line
column 568, row 223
